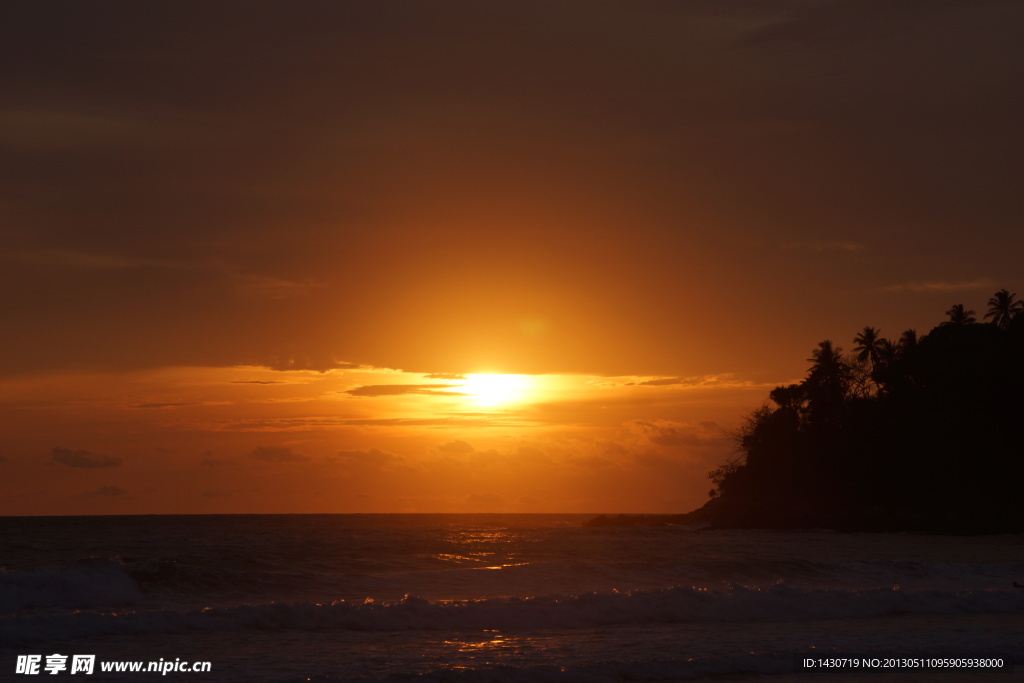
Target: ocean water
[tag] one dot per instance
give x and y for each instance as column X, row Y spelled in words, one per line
column 492, row 598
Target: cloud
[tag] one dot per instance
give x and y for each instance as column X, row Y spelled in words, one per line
column 85, row 459
column 532, row 454
column 278, row 454
column 661, row 382
column 595, row 462
column 611, row 448
column 374, row 390
column 206, row 459
column 700, row 381
column 216, row 462
column 941, row 286
column 669, row 433
column 457, row 447
column 373, row 457
column 256, row 381
column 298, row 424
column 657, row 461
column 294, row 358
column 445, row 375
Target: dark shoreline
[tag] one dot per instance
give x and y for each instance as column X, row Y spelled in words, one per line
column 722, row 514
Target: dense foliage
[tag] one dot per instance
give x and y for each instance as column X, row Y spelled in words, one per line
column 921, row 433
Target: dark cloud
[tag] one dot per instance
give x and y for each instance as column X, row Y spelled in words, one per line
column 278, row 454
column 373, row 390
column 671, row 434
column 84, row 459
column 284, row 159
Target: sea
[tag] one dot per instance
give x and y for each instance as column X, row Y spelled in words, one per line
column 500, row 598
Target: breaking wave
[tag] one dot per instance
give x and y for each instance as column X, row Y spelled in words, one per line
column 779, row 602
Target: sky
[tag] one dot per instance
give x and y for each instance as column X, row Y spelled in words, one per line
column 455, row 256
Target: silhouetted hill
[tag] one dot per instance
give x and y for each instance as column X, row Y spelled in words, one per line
column 922, row 434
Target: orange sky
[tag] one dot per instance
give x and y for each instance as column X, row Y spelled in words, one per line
column 228, row 233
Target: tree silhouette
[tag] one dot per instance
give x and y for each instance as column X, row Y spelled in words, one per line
column 889, row 353
column 868, row 346
column 827, row 366
column 958, row 316
column 936, row 447
column 789, row 397
column 908, row 342
column 1002, row 307
column 827, row 383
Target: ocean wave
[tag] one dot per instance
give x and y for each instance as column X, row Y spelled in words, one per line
column 779, row 602
column 90, row 584
column 249, row 580
column 603, row 672
column 186, row 581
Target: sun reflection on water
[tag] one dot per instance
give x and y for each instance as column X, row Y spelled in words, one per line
column 484, row 548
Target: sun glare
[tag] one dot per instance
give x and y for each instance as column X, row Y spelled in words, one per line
column 494, row 390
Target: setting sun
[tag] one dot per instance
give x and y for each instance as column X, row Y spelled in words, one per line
column 495, row 389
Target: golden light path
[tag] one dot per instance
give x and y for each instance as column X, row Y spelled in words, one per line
column 491, row 390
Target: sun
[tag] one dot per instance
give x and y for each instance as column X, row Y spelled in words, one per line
column 490, row 390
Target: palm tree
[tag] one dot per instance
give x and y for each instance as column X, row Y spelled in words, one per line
column 958, row 316
column 827, row 382
column 1002, row 307
column 888, row 352
column 826, row 359
column 908, row 342
column 868, row 346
